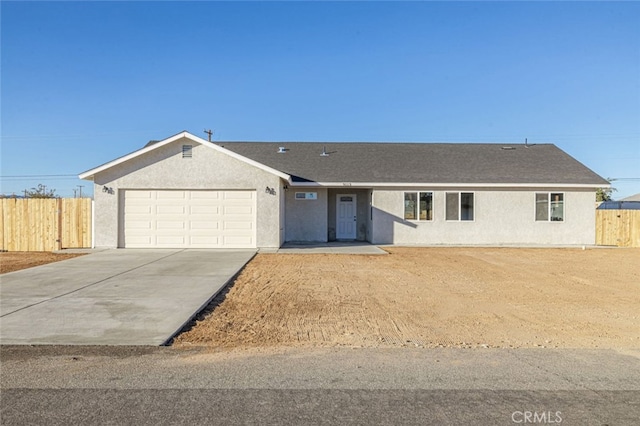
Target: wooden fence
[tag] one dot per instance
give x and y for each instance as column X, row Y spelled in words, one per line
column 618, row 228
column 45, row 224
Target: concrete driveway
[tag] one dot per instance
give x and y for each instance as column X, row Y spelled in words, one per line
column 113, row 297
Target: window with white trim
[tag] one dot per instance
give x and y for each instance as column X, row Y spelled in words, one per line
column 549, row 206
column 418, row 206
column 459, row 206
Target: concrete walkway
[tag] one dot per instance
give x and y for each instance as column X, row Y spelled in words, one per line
column 336, row 247
column 113, row 297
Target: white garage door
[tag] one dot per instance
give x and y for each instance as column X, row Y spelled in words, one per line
column 194, row 219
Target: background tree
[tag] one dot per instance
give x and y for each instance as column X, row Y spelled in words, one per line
column 604, row 194
column 40, row 191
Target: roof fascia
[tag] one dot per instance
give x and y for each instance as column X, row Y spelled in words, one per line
column 452, row 185
column 186, row 135
column 89, row 173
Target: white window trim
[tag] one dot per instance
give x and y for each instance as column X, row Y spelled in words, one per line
column 564, row 207
column 433, row 199
column 459, row 206
column 313, row 196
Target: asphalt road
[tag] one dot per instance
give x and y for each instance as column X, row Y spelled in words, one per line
column 146, row 385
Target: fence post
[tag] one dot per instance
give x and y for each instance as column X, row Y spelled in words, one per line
column 59, row 240
column 93, row 224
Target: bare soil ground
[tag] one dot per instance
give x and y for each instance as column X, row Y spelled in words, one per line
column 16, row 260
column 430, row 297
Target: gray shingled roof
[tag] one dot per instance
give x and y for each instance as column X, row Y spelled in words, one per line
column 634, row 197
column 420, row 162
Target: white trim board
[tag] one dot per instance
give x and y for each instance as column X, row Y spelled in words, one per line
column 347, row 185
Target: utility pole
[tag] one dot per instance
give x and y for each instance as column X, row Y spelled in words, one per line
column 209, row 132
column 74, row 193
column 80, row 186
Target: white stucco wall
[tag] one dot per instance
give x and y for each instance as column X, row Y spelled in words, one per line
column 306, row 220
column 501, row 217
column 164, row 168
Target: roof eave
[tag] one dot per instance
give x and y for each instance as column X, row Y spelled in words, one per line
column 447, row 184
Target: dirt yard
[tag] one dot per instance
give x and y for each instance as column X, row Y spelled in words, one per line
column 16, row 260
column 430, row 297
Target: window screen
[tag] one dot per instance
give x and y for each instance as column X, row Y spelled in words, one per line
column 451, row 206
column 466, row 206
column 459, row 206
column 410, row 206
column 557, row 207
column 426, row 206
column 542, row 206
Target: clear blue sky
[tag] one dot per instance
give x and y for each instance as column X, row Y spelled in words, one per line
column 84, row 82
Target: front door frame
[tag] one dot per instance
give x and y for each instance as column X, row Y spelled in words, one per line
column 354, row 203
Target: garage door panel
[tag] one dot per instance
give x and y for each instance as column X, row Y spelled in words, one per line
column 161, row 224
column 181, row 218
column 237, row 195
column 138, row 224
column 205, row 195
column 171, row 240
column 237, row 241
column 208, row 210
column 170, row 209
column 202, row 225
column 238, row 225
column 139, row 241
column 137, row 209
column 170, row 195
column 240, row 210
column 204, row 240
column 132, row 195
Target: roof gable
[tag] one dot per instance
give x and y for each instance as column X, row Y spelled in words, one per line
column 183, row 135
column 634, row 197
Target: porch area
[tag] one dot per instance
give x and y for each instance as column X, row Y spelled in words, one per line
column 334, row 247
column 322, row 215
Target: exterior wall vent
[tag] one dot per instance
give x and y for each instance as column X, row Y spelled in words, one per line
column 187, row 151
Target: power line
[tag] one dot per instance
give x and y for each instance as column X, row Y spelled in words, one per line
column 18, row 178
column 72, row 135
column 549, row 136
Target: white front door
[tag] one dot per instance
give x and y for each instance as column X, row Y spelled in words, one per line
column 346, row 217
